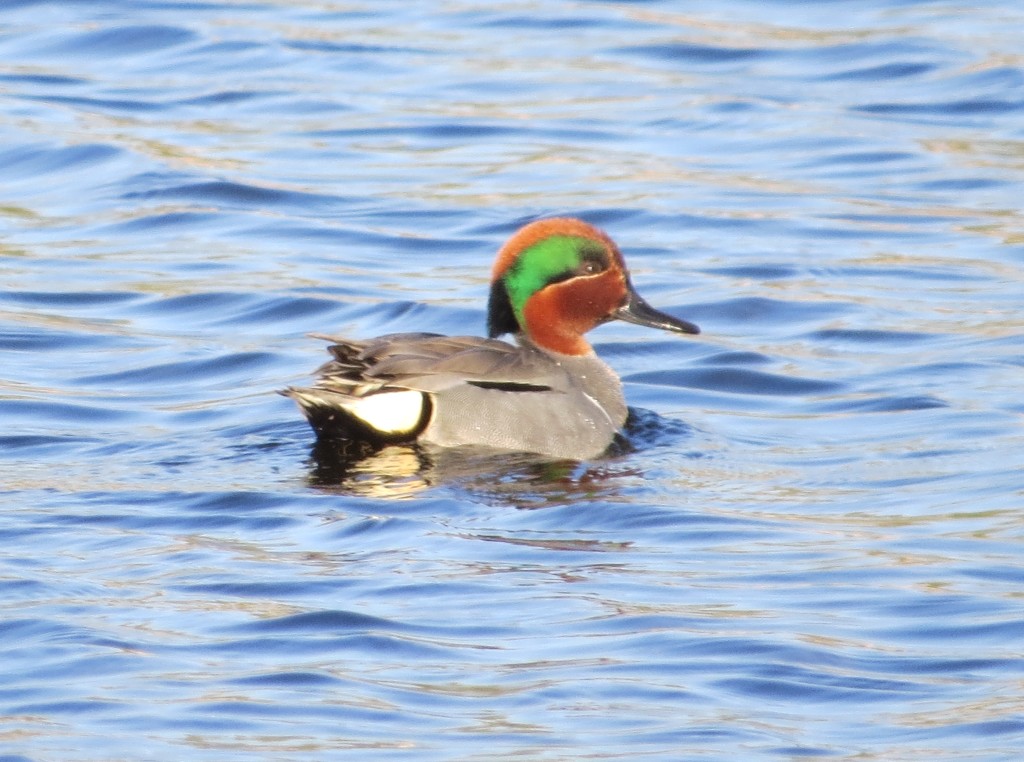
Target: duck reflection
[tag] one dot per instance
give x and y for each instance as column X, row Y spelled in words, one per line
column 523, row 480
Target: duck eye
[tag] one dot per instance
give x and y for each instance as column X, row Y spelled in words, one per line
column 590, row 267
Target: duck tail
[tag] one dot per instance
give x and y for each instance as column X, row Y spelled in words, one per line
column 383, row 416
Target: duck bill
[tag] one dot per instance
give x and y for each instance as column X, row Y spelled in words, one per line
column 637, row 311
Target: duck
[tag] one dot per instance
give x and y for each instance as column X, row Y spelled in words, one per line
column 546, row 392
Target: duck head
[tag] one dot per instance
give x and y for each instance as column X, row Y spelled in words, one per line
column 556, row 279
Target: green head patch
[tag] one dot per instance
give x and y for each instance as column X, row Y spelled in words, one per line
column 554, row 259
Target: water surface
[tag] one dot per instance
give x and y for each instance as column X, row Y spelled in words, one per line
column 812, row 547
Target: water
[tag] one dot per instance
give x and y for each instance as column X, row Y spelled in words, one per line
column 812, row 549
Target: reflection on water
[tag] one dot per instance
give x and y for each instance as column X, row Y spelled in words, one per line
column 358, row 468
column 495, row 477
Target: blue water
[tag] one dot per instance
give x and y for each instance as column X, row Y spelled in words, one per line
column 811, row 549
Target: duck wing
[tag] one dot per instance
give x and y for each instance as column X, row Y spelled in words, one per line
column 386, row 389
column 431, row 362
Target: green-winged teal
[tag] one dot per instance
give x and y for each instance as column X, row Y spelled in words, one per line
column 548, row 393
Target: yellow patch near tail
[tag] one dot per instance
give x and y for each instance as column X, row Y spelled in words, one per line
column 389, row 413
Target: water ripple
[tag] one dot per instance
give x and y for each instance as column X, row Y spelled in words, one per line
column 807, row 541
